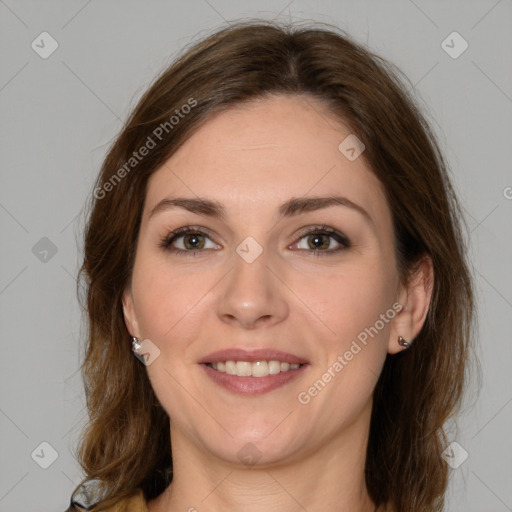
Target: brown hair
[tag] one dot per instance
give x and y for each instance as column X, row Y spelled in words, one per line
column 126, row 444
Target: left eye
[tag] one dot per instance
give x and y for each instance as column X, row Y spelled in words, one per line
column 322, row 241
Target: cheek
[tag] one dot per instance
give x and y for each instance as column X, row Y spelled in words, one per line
column 355, row 309
column 164, row 298
column 347, row 301
column 167, row 308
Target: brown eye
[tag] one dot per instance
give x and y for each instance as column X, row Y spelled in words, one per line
column 318, row 241
column 322, row 240
column 193, row 241
column 188, row 240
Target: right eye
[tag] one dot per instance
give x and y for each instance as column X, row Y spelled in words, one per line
column 187, row 240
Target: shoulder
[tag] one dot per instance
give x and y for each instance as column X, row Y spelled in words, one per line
column 135, row 503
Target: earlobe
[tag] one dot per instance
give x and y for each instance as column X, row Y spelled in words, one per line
column 415, row 299
column 403, row 343
column 129, row 312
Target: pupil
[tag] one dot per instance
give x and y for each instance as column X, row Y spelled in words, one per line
column 193, row 240
column 317, row 241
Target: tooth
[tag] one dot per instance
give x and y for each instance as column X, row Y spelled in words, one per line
column 254, row 369
column 243, row 368
column 260, row 369
column 231, row 367
column 274, row 367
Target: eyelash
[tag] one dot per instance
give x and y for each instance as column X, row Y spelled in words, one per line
column 317, row 230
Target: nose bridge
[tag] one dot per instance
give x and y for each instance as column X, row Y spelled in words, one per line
column 251, row 294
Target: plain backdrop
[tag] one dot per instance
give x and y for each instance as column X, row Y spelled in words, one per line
column 60, row 111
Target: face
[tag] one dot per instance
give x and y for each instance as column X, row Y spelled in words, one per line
column 267, row 268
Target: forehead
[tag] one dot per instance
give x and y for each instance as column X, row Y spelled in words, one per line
column 265, row 151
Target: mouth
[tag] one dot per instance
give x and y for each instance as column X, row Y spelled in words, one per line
column 256, row 369
column 252, row 372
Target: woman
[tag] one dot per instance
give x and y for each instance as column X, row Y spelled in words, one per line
column 275, row 238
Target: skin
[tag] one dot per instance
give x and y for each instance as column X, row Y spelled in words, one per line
column 252, row 158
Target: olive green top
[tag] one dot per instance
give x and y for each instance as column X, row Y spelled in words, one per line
column 137, row 503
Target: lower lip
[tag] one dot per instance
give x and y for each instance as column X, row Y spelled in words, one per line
column 252, row 385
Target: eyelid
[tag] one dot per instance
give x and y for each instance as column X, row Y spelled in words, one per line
column 192, row 229
column 317, row 228
column 344, row 242
column 179, row 232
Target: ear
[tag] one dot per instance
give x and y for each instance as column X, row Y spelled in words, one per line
column 415, row 300
column 130, row 318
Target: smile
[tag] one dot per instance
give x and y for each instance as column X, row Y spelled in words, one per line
column 253, row 369
column 260, row 379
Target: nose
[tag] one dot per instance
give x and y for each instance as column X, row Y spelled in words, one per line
column 251, row 295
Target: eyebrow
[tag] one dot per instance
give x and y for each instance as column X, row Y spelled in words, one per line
column 294, row 206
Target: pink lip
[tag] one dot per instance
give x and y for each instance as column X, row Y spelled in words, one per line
column 252, row 385
column 239, row 354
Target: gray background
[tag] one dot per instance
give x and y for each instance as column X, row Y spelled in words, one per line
column 58, row 116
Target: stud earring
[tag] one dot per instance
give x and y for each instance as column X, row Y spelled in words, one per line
column 135, row 344
column 403, row 343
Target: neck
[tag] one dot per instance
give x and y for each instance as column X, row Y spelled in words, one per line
column 328, row 478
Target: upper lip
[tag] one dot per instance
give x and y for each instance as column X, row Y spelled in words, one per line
column 262, row 354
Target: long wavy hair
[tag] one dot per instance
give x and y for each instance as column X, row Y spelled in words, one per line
column 125, row 447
